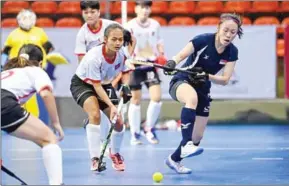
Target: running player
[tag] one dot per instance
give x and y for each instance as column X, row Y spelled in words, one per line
column 212, row 52
column 21, row 78
column 92, row 90
column 149, row 47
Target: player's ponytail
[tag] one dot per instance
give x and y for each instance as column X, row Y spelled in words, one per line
column 29, row 55
column 20, row 62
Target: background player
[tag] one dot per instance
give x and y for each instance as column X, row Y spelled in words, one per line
column 21, row 78
column 28, row 33
column 92, row 32
column 212, row 52
column 92, row 90
column 149, row 47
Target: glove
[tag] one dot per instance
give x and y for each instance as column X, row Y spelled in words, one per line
column 171, row 64
column 198, row 79
column 127, row 38
column 126, row 93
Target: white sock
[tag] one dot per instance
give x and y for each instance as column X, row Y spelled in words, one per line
column 153, row 113
column 52, row 159
column 124, row 111
column 116, row 140
column 93, row 139
column 134, row 118
column 104, row 126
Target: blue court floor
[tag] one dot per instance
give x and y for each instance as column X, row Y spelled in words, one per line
column 234, row 154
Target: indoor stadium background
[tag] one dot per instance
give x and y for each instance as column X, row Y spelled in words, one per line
column 265, row 21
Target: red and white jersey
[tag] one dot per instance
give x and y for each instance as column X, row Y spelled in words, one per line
column 87, row 38
column 24, row 82
column 95, row 67
column 147, row 38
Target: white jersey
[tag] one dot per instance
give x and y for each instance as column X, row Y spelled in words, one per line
column 24, row 82
column 87, row 38
column 95, row 67
column 147, row 37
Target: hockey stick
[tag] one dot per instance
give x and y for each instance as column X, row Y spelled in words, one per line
column 4, row 169
column 101, row 164
column 193, row 71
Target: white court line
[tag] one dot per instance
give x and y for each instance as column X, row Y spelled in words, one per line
column 145, row 148
column 25, row 159
column 268, row 159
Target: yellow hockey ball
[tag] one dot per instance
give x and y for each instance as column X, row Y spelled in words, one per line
column 158, row 177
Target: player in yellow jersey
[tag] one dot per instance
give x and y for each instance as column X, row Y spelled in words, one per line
column 27, row 33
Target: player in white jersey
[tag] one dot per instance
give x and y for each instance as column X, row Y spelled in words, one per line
column 149, row 47
column 21, row 78
column 92, row 32
column 92, row 89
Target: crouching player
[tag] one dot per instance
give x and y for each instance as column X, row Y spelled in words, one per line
column 21, row 78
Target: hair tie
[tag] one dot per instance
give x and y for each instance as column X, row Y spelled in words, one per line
column 26, row 56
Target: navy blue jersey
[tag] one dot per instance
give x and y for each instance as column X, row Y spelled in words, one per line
column 207, row 57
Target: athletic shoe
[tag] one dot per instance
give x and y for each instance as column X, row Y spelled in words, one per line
column 190, row 150
column 176, row 166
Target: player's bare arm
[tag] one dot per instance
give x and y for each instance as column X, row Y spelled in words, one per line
column 225, row 77
column 184, row 53
column 50, row 104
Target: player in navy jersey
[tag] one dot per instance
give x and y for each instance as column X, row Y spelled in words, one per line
column 211, row 52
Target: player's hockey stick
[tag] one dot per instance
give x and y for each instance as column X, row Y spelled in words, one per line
column 4, row 169
column 193, row 71
column 101, row 164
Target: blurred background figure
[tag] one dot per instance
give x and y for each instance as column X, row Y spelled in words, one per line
column 28, row 33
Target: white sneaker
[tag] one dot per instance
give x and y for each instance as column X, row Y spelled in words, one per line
column 176, row 166
column 151, row 136
column 190, row 150
column 135, row 139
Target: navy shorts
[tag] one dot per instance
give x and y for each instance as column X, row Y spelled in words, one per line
column 204, row 99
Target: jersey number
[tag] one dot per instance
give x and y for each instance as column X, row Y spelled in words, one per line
column 109, row 92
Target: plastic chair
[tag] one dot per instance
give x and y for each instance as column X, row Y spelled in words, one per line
column 68, row 22
column 265, row 6
column 47, row 7
column 44, row 22
column 181, row 7
column 284, row 6
column 13, row 7
column 103, row 5
column 116, row 7
column 159, row 7
column 209, row 21
column 162, row 21
column 267, row 20
column 205, row 7
column 280, row 47
column 9, row 22
column 69, row 7
column 284, row 23
column 246, row 21
column 237, row 6
column 182, row 21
